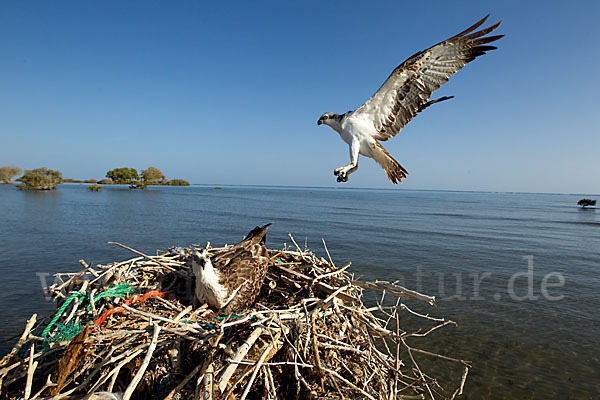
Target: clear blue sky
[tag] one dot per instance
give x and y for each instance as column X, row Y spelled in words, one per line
column 230, row 94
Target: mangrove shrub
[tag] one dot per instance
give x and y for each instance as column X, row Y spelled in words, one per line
column 40, row 179
column 123, row 175
column 152, row 176
column 8, row 173
column 586, row 203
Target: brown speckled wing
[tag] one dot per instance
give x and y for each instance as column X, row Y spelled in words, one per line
column 245, row 265
column 409, row 87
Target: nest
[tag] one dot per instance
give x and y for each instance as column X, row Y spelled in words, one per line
column 131, row 329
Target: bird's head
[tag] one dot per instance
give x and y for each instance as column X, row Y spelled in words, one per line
column 334, row 120
column 200, row 258
column 328, row 119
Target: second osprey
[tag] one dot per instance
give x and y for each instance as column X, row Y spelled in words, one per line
column 404, row 94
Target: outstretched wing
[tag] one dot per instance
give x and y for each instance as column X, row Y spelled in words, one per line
column 410, row 85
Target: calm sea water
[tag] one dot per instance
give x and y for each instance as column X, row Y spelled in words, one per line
column 547, row 346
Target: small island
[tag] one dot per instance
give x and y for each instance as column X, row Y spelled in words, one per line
column 8, row 173
column 149, row 176
column 583, row 203
column 40, row 179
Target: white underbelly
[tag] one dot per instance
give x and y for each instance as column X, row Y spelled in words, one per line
column 211, row 293
column 366, row 148
column 361, row 131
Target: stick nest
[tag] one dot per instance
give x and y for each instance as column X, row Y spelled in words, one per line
column 309, row 335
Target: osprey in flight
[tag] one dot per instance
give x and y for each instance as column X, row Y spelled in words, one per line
column 404, row 94
column 232, row 278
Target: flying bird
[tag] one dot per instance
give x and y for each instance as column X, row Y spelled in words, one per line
column 231, row 279
column 405, row 93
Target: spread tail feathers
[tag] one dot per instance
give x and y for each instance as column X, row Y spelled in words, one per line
column 395, row 172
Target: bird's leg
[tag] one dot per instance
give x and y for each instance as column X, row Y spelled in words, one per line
column 343, row 172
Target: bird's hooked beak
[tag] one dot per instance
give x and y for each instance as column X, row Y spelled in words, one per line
column 320, row 121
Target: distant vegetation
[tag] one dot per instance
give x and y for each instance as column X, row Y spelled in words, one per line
column 152, row 176
column 78, row 181
column 178, row 182
column 586, row 203
column 123, row 175
column 46, row 179
column 149, row 176
column 40, row 179
column 8, row 173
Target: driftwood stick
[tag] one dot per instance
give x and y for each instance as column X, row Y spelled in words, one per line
column 395, row 290
column 296, row 244
column 409, row 349
column 323, row 286
column 159, row 318
column 72, row 279
column 459, row 390
column 105, row 275
column 347, row 382
column 269, row 383
column 140, row 373
column 92, row 302
column 182, row 313
column 130, row 356
column 274, row 364
column 89, row 268
column 431, row 329
column 199, row 340
column 207, row 384
column 239, row 355
column 22, row 340
column 315, row 347
column 151, row 258
column 30, row 372
column 405, row 307
column 259, row 363
column 328, row 255
column 332, row 273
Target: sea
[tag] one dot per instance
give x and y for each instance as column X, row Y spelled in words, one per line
column 519, row 273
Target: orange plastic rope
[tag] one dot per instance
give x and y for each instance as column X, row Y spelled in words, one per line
column 128, row 302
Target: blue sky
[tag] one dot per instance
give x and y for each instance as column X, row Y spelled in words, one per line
column 230, row 92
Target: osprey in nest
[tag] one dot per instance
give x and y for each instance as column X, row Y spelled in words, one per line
column 404, row 94
column 232, row 278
